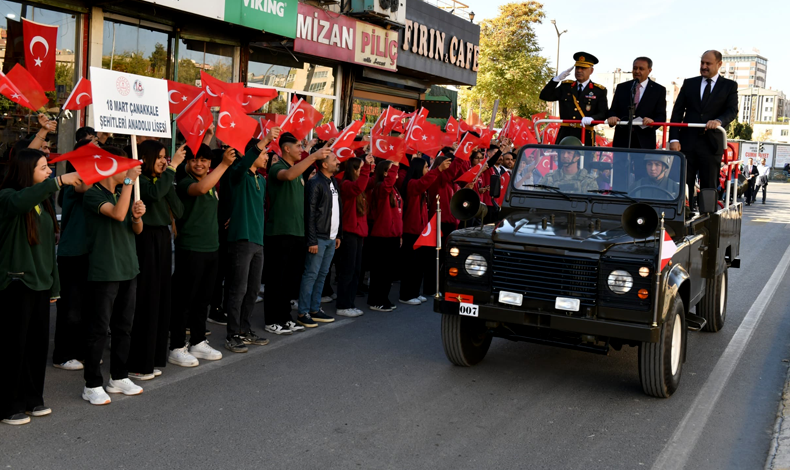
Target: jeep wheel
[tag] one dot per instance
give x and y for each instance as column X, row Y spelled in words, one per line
column 466, row 340
column 661, row 363
column 713, row 305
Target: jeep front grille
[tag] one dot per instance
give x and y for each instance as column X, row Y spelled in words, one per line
column 544, row 277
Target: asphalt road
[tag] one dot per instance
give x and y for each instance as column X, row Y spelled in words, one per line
column 378, row 392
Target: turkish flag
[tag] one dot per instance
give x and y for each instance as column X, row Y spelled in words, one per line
column 470, row 174
column 539, row 116
column 277, row 119
column 234, row 127
column 327, row 131
column 523, row 135
column 428, row 235
column 550, row 136
column 81, row 96
column 251, row 98
column 451, row 128
column 425, row 137
column 601, row 141
column 485, row 137
column 180, row 95
column 504, row 181
column 545, row 165
column 467, row 145
column 667, row 249
column 10, row 91
column 29, row 87
column 266, row 126
column 342, row 146
column 193, row 124
column 94, row 164
column 40, row 43
column 388, row 147
column 214, row 88
column 301, row 119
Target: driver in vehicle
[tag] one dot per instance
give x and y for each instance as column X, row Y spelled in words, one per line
column 569, row 177
column 657, row 167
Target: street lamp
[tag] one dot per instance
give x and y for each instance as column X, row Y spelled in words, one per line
column 554, row 22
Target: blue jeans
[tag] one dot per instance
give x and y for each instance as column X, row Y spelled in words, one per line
column 316, row 267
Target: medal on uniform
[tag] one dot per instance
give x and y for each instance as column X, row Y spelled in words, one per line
column 588, row 107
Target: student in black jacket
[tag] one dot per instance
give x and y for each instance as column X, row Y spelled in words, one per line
column 323, row 229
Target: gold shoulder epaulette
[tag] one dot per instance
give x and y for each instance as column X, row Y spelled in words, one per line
column 569, row 81
column 600, row 86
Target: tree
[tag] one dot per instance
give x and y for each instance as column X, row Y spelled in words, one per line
column 737, row 130
column 511, row 68
column 158, row 60
column 188, row 72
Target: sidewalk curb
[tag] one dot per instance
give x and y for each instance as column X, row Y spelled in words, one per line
column 779, row 451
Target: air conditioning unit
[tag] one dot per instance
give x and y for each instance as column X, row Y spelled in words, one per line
column 378, row 11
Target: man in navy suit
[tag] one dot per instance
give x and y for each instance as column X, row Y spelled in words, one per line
column 650, row 99
column 709, row 99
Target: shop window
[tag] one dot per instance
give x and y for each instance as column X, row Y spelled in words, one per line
column 371, row 110
column 215, row 59
column 134, row 49
column 16, row 121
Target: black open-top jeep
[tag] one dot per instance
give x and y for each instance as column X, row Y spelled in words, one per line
column 575, row 260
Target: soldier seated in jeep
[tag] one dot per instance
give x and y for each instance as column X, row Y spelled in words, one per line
column 569, row 177
column 657, row 184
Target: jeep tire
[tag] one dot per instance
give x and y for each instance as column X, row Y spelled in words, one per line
column 713, row 305
column 661, row 363
column 466, row 340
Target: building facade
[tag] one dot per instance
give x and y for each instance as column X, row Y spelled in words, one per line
column 761, row 105
column 747, row 67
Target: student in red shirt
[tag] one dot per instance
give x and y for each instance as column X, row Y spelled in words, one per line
column 355, row 229
column 416, row 264
column 385, row 235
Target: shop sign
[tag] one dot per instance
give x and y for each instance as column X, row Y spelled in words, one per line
column 326, row 34
column 752, row 150
column 124, row 103
column 271, row 16
column 437, row 45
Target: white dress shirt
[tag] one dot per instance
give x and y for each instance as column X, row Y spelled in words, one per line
column 763, row 170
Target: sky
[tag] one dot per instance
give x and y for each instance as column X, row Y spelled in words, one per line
column 674, row 33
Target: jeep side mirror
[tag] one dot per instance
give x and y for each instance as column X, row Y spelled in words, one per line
column 495, row 187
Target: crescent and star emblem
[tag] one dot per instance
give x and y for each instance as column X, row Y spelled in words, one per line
column 77, row 99
column 170, row 96
column 208, row 90
column 201, row 128
column 339, row 152
column 293, row 116
column 105, row 173
column 219, row 120
column 43, row 41
column 378, row 146
column 427, row 231
column 467, row 151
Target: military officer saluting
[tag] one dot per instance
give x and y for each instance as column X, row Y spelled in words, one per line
column 579, row 99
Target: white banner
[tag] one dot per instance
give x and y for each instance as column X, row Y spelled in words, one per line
column 750, row 150
column 124, row 103
column 782, row 155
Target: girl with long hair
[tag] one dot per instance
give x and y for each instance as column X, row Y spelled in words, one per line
column 416, row 264
column 151, row 326
column 348, row 258
column 28, row 280
column 385, row 235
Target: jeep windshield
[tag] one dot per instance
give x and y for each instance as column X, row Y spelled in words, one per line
column 599, row 171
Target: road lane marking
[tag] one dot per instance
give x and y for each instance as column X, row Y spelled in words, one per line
column 678, row 449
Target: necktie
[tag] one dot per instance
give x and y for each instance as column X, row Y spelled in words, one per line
column 636, row 95
column 706, row 93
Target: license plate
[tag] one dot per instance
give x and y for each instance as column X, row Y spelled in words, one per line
column 469, row 310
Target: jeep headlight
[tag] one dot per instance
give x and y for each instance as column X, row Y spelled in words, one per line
column 620, row 281
column 476, row 265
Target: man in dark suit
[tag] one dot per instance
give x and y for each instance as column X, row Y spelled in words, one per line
column 579, row 99
column 650, row 99
column 750, row 171
column 709, row 99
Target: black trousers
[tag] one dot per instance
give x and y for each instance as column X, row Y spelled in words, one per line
column 113, row 308
column 367, row 256
column 220, row 291
column 24, row 340
column 418, row 268
column 195, row 273
column 750, row 192
column 284, row 262
column 152, row 314
column 383, row 268
column 70, row 329
column 348, row 259
column 764, row 187
column 245, row 264
column 700, row 159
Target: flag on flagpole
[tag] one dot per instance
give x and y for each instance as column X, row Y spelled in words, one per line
column 40, row 41
column 428, row 235
column 80, row 97
column 94, row 164
column 667, row 248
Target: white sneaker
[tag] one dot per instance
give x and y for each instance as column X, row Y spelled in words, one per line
column 137, row 376
column 204, row 351
column 259, row 299
column 422, row 298
column 293, row 326
column 278, row 329
column 157, row 372
column 326, row 299
column 181, row 357
column 294, row 305
column 359, row 312
column 125, row 386
column 97, row 396
column 71, row 364
column 410, row 302
column 349, row 312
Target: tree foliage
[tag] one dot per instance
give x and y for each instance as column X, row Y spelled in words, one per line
column 737, row 130
column 510, row 65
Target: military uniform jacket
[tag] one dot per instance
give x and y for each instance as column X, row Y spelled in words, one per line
column 578, row 183
column 667, row 184
column 592, row 102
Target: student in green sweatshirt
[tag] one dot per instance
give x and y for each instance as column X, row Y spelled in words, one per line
column 111, row 223
column 245, row 243
column 149, row 347
column 28, row 280
column 197, row 257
